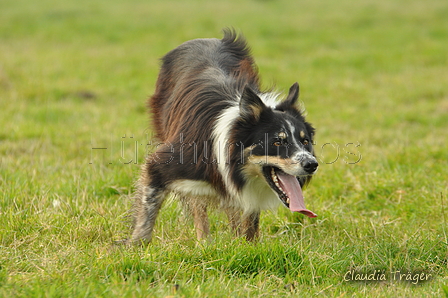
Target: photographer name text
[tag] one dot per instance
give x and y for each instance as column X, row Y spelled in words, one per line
column 383, row 276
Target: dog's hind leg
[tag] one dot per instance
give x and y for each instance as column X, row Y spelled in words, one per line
column 250, row 225
column 201, row 224
column 148, row 202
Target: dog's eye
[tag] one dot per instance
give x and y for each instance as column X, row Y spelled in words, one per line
column 280, row 142
column 305, row 142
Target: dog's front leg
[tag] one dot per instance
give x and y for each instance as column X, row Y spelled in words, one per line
column 250, row 225
column 234, row 216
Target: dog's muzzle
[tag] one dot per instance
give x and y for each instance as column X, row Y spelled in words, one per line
column 309, row 165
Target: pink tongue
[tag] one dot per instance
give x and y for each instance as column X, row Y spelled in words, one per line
column 291, row 186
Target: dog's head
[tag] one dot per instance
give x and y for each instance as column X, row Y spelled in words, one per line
column 279, row 146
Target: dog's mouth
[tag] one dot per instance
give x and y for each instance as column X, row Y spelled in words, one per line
column 288, row 189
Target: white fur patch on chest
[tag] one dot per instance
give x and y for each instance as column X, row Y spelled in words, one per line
column 256, row 195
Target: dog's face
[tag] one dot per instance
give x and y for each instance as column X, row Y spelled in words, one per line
column 279, row 145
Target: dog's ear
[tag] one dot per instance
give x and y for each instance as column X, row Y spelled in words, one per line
column 251, row 105
column 291, row 99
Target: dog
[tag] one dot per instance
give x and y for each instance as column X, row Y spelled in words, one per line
column 223, row 142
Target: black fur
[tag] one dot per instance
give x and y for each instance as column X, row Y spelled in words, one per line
column 199, row 82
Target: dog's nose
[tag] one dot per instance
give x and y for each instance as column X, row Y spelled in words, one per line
column 310, row 165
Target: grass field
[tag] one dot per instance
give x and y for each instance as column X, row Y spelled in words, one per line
column 74, row 75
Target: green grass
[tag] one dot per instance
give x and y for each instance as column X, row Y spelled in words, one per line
column 75, row 75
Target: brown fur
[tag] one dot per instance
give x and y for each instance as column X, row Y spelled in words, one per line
column 197, row 82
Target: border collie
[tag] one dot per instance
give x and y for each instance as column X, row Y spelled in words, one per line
column 222, row 141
